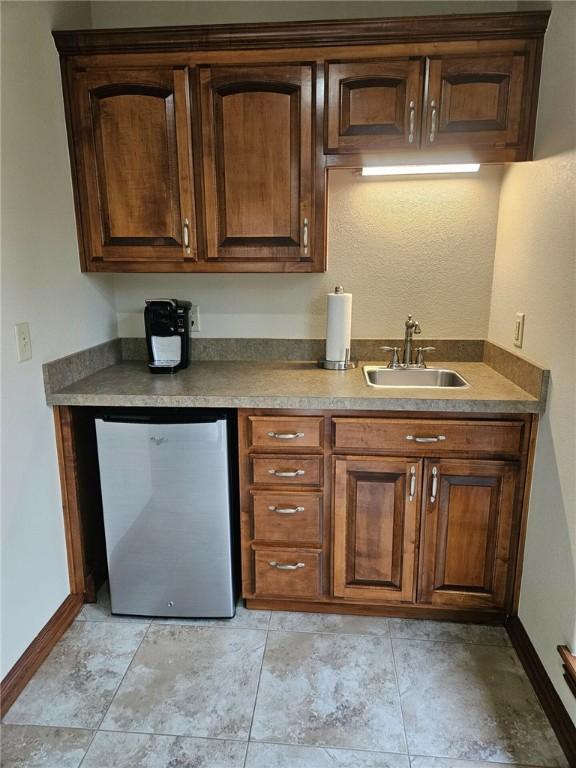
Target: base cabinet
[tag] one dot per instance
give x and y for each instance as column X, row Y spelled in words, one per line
column 469, row 509
column 416, row 516
column 375, row 528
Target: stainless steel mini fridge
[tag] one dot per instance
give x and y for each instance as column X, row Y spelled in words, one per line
column 167, row 498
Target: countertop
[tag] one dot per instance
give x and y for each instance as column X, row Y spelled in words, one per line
column 301, row 385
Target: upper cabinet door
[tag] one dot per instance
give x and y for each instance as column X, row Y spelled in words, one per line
column 135, row 171
column 258, row 165
column 476, row 100
column 469, row 512
column 376, row 502
column 373, row 105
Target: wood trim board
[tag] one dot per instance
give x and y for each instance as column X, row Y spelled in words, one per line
column 552, row 705
column 28, row 664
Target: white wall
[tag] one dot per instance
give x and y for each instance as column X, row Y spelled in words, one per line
column 41, row 284
column 535, row 273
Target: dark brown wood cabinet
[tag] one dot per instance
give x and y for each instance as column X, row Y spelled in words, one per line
column 206, row 149
column 478, row 100
column 258, row 163
column 135, row 167
column 373, row 105
column 372, row 513
column 376, row 517
column 469, row 510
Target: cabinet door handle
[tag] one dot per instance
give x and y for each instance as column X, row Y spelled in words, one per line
column 412, row 122
column 305, row 234
column 286, row 472
column 433, row 121
column 437, row 439
column 286, row 510
column 412, row 483
column 285, row 435
column 186, row 235
column 434, row 492
column 285, row 566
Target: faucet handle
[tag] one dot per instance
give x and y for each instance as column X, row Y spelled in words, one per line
column 420, row 355
column 395, row 361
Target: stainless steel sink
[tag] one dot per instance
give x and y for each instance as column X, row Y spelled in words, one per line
column 380, row 376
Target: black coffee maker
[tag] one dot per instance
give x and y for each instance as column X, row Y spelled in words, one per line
column 167, row 337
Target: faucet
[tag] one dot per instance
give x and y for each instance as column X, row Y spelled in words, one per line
column 412, row 327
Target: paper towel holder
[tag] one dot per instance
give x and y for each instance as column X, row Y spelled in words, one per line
column 339, row 365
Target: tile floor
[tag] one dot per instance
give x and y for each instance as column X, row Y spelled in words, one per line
column 280, row 690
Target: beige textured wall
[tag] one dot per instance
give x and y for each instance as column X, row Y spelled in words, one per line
column 535, row 273
column 424, row 246
column 41, row 284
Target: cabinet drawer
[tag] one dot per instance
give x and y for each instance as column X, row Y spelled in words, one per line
column 287, row 572
column 285, row 432
column 428, row 437
column 287, row 516
column 286, row 470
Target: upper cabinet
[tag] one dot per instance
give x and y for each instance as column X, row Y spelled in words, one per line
column 468, row 107
column 258, row 165
column 206, row 149
column 373, row 105
column 135, row 169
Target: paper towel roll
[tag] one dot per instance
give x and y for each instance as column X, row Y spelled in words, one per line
column 338, row 325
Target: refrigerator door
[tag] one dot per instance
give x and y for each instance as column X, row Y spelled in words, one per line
column 166, row 499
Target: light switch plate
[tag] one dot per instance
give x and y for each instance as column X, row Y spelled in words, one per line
column 23, row 342
column 518, row 337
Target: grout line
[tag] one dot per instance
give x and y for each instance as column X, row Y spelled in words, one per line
column 175, row 735
column 400, row 700
column 346, row 749
column 144, row 636
column 256, row 697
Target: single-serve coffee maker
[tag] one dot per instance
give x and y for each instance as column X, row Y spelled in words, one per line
column 167, row 336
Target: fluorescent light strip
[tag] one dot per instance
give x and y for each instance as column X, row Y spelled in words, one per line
column 417, row 170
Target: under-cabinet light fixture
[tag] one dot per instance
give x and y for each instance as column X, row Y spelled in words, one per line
column 417, row 170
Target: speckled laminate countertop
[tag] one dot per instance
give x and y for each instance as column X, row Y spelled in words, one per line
column 302, row 385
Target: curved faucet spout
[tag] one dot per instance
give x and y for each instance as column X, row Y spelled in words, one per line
column 412, row 327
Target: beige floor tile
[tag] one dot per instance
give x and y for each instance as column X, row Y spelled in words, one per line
column 471, row 702
column 328, row 622
column 190, row 681
column 76, row 683
column 283, row 756
column 34, row 746
column 448, row 631
column 136, row 750
column 329, row 690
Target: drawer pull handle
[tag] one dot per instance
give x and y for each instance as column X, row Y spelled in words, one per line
column 285, row 566
column 286, row 510
column 434, row 485
column 412, row 483
column 286, row 472
column 285, row 435
column 437, row 439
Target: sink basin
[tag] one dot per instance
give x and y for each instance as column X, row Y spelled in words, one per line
column 380, row 376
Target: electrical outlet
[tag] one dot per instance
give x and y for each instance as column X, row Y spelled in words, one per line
column 23, row 342
column 194, row 318
column 518, row 337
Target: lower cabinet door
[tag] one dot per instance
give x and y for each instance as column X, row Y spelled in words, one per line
column 376, row 503
column 468, row 514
